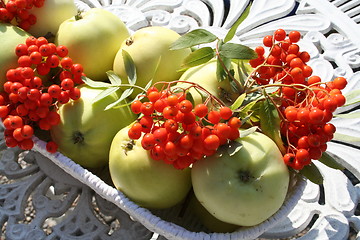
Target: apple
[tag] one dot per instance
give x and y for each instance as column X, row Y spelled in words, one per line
column 51, row 15
column 93, row 38
column 153, row 60
column 245, row 188
column 10, row 37
column 149, row 183
column 205, row 76
column 207, row 219
column 86, row 130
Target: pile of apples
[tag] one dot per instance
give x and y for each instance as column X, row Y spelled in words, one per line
column 242, row 182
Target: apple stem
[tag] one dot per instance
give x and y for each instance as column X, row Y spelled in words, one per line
column 78, row 16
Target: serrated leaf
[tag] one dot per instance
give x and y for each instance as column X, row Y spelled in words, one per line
column 330, row 161
column 232, row 30
column 113, row 77
column 238, row 102
column 270, row 122
column 105, row 93
column 237, row 51
column 350, row 115
column 127, row 92
column 248, row 131
column 312, row 173
column 193, row 38
column 345, row 138
column 95, row 84
column 130, row 68
column 234, row 147
column 200, row 56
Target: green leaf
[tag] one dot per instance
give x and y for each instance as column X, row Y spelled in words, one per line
column 270, row 122
column 237, row 51
column 350, row 115
column 233, row 147
column 232, row 30
column 352, row 97
column 113, row 77
column 248, row 131
column 193, row 38
column 221, row 66
column 345, row 137
column 105, row 93
column 312, row 173
column 238, row 102
column 243, row 72
column 95, row 84
column 148, row 85
column 329, row 160
column 123, row 96
column 200, row 56
column 129, row 67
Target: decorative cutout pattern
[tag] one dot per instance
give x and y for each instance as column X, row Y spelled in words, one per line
column 75, row 210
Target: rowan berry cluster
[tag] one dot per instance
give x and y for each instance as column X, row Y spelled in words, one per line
column 27, row 102
column 305, row 103
column 179, row 133
column 19, row 10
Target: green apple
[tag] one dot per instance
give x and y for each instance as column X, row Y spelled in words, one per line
column 207, row 219
column 245, row 188
column 86, row 130
column 51, row 15
column 153, row 60
column 10, row 37
column 205, row 76
column 93, row 39
column 147, row 182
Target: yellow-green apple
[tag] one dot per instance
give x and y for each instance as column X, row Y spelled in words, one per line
column 86, row 130
column 10, row 37
column 246, row 187
column 93, row 38
column 205, row 76
column 147, row 182
column 149, row 49
column 208, row 220
column 51, row 15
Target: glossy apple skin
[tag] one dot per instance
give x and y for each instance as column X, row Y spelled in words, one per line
column 10, row 37
column 93, row 40
column 205, row 76
column 149, row 183
column 51, row 15
column 149, row 49
column 246, row 188
column 98, row 127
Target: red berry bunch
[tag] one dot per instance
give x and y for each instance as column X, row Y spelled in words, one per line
column 285, row 62
column 306, row 124
column 26, row 102
column 305, row 103
column 19, row 10
column 175, row 131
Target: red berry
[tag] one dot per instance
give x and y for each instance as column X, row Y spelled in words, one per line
column 201, row 110
column 51, row 147
column 148, row 141
column 214, row 116
column 212, row 142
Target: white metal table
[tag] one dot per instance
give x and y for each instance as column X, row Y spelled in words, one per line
column 39, row 200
